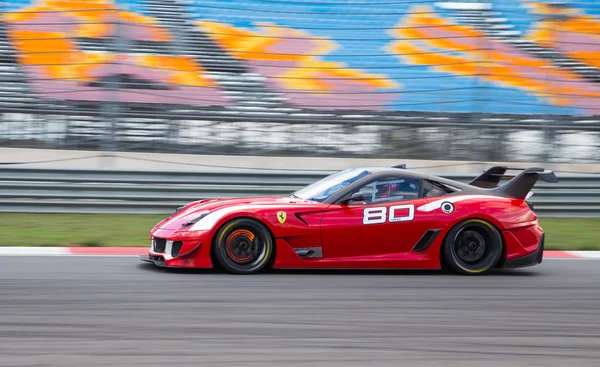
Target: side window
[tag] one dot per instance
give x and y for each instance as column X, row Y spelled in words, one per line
column 391, row 190
column 433, row 189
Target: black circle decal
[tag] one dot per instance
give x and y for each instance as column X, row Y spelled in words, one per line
column 447, row 207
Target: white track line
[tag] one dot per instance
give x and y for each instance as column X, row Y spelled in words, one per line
column 107, row 252
column 585, row 254
column 34, row 251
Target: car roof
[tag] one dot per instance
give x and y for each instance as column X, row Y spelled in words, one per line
column 380, row 170
column 392, row 170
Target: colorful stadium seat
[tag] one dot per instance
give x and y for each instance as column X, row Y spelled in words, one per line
column 522, row 57
column 46, row 37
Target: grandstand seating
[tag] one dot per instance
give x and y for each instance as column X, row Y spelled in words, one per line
column 289, row 66
column 521, row 57
column 237, row 82
column 62, row 48
column 499, row 62
column 496, row 25
column 570, row 32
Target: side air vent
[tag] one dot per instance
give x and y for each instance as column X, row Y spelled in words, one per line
column 310, row 252
column 301, row 219
column 426, row 240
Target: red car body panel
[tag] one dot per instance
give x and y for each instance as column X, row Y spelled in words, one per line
column 339, row 232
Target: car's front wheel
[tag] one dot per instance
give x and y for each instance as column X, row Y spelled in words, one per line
column 243, row 246
column 473, row 246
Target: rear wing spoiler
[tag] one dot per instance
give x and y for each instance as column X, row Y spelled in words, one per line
column 519, row 186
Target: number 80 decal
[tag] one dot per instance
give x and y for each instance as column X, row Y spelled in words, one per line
column 397, row 213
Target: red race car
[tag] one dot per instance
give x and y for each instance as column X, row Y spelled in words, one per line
column 363, row 218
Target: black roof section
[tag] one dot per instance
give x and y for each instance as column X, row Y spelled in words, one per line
column 517, row 187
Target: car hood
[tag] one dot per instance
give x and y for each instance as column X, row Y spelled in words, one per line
column 192, row 210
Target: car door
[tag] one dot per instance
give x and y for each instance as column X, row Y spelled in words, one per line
column 386, row 222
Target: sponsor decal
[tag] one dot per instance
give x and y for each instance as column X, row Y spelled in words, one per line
column 454, row 199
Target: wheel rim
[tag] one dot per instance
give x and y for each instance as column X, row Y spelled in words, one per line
column 245, row 246
column 476, row 247
column 242, row 246
column 470, row 246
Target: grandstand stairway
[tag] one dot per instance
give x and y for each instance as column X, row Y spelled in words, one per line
column 14, row 91
column 245, row 87
column 496, row 26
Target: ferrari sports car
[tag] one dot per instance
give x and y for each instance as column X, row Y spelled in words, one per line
column 363, row 218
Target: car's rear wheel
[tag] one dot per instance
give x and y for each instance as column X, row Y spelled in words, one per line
column 473, row 246
column 243, row 246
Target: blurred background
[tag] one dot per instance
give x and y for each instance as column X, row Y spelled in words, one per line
column 127, row 107
column 460, row 80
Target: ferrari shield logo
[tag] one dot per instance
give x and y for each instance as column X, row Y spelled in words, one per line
column 281, row 217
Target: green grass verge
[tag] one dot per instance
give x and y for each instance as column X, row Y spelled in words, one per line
column 133, row 230
column 571, row 233
column 76, row 229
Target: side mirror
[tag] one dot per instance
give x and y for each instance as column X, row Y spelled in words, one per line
column 357, row 196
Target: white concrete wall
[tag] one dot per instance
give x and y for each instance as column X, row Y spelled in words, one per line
column 160, row 161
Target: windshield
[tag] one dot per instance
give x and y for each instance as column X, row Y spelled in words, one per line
column 329, row 185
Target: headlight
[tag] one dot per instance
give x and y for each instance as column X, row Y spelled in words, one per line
column 195, row 220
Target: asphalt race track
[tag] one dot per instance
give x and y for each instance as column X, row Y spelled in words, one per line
column 103, row 311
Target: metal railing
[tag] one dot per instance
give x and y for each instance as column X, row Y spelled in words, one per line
column 49, row 190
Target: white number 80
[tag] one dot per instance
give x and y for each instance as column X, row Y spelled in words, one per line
column 379, row 214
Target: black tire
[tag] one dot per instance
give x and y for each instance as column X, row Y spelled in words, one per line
column 473, row 246
column 243, row 246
